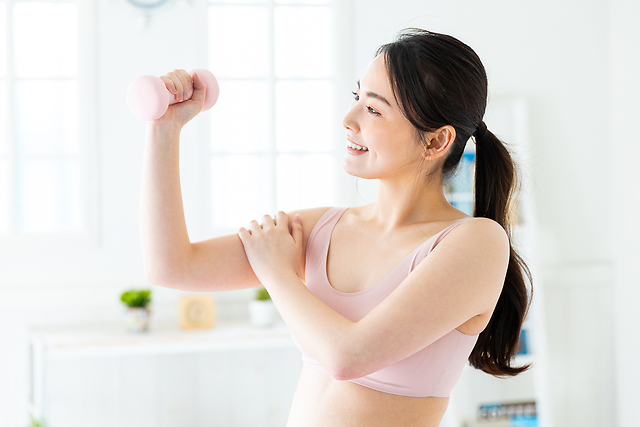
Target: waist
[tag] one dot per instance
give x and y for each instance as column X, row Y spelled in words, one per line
column 321, row 400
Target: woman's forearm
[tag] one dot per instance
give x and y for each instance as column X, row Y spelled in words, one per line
column 324, row 333
column 163, row 230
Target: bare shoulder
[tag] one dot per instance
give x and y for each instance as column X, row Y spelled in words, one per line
column 309, row 217
column 483, row 232
column 482, row 237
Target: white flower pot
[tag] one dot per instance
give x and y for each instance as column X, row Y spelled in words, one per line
column 262, row 312
column 137, row 318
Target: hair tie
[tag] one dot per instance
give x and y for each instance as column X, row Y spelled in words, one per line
column 481, row 130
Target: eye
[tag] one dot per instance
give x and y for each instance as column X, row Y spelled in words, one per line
column 373, row 111
column 356, row 96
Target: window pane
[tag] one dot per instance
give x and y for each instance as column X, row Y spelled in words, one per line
column 49, row 196
column 303, row 116
column 304, row 181
column 3, row 40
column 49, row 125
column 46, row 39
column 5, row 196
column 4, row 149
column 241, row 190
column 240, row 122
column 303, row 42
column 238, row 41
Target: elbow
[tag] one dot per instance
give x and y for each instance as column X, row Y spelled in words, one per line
column 344, row 368
column 342, row 374
column 161, row 277
column 154, row 278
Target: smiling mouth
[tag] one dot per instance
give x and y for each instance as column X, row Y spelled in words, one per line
column 356, row 146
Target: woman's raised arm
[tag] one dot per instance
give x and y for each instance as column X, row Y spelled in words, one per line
column 170, row 259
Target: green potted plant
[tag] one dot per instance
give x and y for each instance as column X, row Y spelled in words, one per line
column 36, row 423
column 261, row 309
column 137, row 309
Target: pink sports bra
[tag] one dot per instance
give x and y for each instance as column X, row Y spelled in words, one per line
column 432, row 371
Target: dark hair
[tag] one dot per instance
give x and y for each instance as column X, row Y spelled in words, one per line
column 437, row 80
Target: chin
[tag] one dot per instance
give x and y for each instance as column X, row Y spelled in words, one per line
column 356, row 173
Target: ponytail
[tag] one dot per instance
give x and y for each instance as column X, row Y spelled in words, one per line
column 495, row 181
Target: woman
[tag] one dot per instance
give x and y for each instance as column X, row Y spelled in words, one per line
column 385, row 309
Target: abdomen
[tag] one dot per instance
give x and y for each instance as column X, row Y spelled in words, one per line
column 321, row 401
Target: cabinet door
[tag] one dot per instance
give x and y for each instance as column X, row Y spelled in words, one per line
column 248, row 387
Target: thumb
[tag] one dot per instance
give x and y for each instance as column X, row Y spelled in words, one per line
column 199, row 89
column 297, row 229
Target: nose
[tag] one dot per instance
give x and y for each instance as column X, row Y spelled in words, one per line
column 350, row 120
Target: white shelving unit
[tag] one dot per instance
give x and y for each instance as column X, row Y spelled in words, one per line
column 102, row 375
column 507, row 119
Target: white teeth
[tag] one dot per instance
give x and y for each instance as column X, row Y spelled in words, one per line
column 357, row 147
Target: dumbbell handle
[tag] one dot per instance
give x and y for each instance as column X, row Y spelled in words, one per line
column 149, row 98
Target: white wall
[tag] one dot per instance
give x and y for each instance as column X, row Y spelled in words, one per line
column 625, row 201
column 574, row 61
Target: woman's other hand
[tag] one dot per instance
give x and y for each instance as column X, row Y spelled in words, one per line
column 271, row 248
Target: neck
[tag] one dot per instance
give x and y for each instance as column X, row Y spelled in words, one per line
column 401, row 204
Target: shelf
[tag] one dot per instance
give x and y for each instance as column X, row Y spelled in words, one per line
column 113, row 340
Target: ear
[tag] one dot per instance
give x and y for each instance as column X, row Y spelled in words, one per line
column 438, row 142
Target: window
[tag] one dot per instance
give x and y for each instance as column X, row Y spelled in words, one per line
column 43, row 183
column 271, row 136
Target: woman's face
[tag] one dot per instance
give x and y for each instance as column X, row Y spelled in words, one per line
column 374, row 121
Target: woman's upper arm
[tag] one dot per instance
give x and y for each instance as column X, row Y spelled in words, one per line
column 221, row 264
column 461, row 278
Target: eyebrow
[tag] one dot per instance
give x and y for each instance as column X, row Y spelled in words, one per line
column 375, row 95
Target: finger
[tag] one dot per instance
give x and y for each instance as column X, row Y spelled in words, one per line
column 254, row 226
column 243, row 233
column 267, row 222
column 282, row 219
column 187, row 82
column 199, row 90
column 175, row 80
column 198, row 84
column 181, row 83
column 297, row 229
column 169, row 84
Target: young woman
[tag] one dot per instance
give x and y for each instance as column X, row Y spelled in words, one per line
column 384, row 308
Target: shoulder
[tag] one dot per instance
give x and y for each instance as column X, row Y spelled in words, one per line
column 480, row 229
column 485, row 228
column 479, row 236
column 309, row 217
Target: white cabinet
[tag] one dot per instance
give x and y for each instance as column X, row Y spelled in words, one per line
column 507, row 119
column 232, row 375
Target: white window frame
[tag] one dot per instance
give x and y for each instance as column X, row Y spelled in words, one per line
column 343, row 80
column 87, row 133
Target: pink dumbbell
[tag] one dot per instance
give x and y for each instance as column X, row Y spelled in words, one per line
column 149, row 98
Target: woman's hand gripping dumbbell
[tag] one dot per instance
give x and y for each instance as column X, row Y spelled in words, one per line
column 150, row 97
